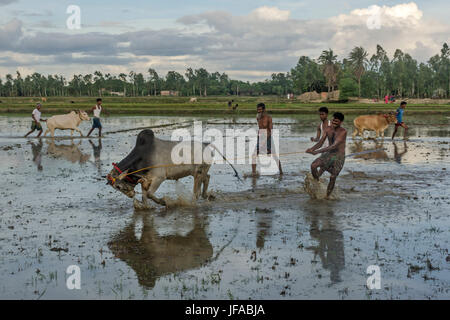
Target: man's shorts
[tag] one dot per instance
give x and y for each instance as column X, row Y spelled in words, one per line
column 96, row 123
column 399, row 124
column 268, row 144
column 332, row 162
column 36, row 126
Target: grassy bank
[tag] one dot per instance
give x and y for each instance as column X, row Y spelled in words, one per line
column 204, row 106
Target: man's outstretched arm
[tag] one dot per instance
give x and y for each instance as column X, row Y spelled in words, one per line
column 339, row 139
column 317, row 145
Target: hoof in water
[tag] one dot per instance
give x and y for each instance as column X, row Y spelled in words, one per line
column 138, row 205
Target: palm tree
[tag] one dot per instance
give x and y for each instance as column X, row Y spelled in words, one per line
column 88, row 82
column 329, row 69
column 123, row 78
column 191, row 78
column 153, row 79
column 358, row 62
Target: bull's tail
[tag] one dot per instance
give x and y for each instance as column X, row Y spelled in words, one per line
column 236, row 174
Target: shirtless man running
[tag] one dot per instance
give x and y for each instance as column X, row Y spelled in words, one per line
column 265, row 134
column 333, row 156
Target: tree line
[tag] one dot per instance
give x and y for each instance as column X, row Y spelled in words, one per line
column 355, row 75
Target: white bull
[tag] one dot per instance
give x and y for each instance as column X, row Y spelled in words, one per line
column 152, row 159
column 69, row 121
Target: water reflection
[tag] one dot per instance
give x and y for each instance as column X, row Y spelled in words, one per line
column 330, row 248
column 70, row 152
column 398, row 155
column 263, row 226
column 360, row 146
column 36, row 150
column 155, row 246
column 97, row 149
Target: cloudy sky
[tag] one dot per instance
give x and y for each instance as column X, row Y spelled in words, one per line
column 248, row 39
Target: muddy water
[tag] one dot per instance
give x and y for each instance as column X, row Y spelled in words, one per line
column 261, row 239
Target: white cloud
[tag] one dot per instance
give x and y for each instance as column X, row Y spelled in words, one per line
column 390, row 16
column 265, row 40
column 270, row 14
column 402, row 26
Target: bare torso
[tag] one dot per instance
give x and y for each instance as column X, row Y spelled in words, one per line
column 337, row 135
column 265, row 122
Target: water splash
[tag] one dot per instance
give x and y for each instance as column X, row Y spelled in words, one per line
column 318, row 189
column 183, row 197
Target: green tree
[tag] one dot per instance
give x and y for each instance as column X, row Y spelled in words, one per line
column 347, row 88
column 358, row 62
column 328, row 62
column 153, row 79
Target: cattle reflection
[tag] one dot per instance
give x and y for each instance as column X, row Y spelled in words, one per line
column 330, row 248
column 359, row 146
column 70, row 152
column 155, row 246
column 36, row 150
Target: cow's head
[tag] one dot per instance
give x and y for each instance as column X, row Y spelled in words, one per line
column 119, row 182
column 390, row 117
column 83, row 115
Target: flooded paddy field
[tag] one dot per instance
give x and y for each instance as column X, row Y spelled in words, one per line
column 259, row 239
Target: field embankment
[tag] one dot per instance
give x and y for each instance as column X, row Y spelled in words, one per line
column 207, row 106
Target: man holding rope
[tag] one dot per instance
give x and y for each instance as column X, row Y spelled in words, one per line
column 323, row 125
column 36, row 124
column 264, row 141
column 333, row 156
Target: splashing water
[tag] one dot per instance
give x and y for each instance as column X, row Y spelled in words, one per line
column 318, row 189
column 183, row 197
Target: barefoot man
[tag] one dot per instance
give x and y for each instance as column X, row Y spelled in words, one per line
column 323, row 125
column 264, row 134
column 36, row 124
column 400, row 123
column 333, row 156
column 96, row 110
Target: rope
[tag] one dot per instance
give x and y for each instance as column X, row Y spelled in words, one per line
column 149, row 127
column 253, row 157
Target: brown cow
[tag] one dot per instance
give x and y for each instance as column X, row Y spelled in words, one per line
column 377, row 123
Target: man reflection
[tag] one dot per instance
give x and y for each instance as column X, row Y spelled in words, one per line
column 36, row 149
column 331, row 243
column 398, row 155
column 263, row 226
column 97, row 149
